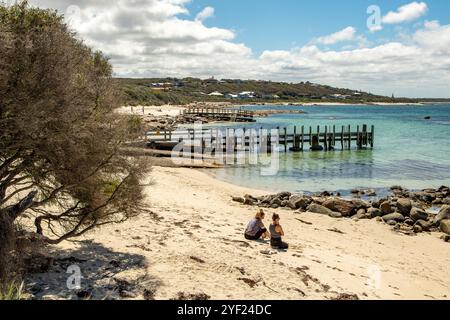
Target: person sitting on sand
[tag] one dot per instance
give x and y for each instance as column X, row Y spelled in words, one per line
column 276, row 232
column 255, row 229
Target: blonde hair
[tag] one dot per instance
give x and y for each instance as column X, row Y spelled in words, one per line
column 260, row 215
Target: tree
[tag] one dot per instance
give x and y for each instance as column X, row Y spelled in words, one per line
column 60, row 141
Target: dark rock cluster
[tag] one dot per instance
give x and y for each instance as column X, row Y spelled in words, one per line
column 405, row 210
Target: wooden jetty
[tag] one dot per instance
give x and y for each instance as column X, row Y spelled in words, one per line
column 296, row 139
column 222, row 114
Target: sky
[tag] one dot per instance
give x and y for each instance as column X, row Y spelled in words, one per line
column 380, row 46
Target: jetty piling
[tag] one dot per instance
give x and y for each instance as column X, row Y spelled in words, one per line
column 233, row 140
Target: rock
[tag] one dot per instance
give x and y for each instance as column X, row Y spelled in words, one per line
column 409, row 222
column 417, row 229
column 359, row 204
column 284, row 195
column 249, row 200
column 446, row 201
column 418, row 214
column 446, row 238
column 317, row 208
column 371, row 193
column 346, row 208
column 425, row 225
column 238, row 199
column 391, row 223
column 445, row 226
column 297, row 202
column 397, row 217
column 438, row 201
column 360, row 214
column 397, row 188
column 443, row 214
column 275, row 206
column 336, row 215
column 374, row 212
column 385, row 207
column 267, row 199
column 275, row 202
column 404, row 206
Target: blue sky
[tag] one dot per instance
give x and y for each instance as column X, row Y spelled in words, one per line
column 407, row 52
column 283, row 24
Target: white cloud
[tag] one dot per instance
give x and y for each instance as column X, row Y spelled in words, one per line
column 346, row 34
column 206, row 13
column 406, row 13
column 150, row 38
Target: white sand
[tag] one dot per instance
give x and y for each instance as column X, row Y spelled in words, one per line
column 157, row 111
column 199, row 220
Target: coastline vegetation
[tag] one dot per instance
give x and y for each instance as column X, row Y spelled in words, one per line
column 189, row 90
column 60, row 162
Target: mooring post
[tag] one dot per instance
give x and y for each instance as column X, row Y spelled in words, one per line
column 342, row 138
column 303, row 136
column 325, row 138
column 285, row 140
column 310, row 136
column 349, row 137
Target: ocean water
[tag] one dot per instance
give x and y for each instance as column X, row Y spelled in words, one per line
column 409, row 151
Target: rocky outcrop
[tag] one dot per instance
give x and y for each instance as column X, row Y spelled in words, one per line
column 404, row 210
column 444, row 213
column 445, row 226
column 346, row 208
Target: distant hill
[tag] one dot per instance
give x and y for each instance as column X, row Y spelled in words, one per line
column 159, row 91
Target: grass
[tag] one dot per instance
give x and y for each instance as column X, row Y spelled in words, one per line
column 12, row 291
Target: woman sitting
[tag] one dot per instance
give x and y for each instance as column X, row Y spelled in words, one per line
column 276, row 232
column 255, row 229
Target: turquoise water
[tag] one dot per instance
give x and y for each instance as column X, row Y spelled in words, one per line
column 409, row 151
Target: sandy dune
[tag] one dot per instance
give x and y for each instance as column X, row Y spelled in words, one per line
column 194, row 244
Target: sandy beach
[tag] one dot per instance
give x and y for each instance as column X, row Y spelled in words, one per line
column 193, row 243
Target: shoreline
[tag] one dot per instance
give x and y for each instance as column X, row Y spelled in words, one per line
column 192, row 243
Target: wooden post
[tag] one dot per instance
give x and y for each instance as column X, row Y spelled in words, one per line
column 310, row 136
column 342, row 138
column 325, row 138
column 334, row 136
column 372, row 137
column 358, row 141
column 303, row 137
column 349, row 137
column 294, row 141
column 285, row 140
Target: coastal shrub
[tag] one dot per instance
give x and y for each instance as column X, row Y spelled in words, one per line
column 60, row 139
column 12, row 291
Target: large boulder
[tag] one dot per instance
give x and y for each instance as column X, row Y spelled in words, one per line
column 397, row 217
column 404, row 206
column 425, row 225
column 346, row 208
column 445, row 226
column 386, row 208
column 360, row 204
column 418, row 214
column 297, row 202
column 442, row 215
column 317, row 208
column 374, row 212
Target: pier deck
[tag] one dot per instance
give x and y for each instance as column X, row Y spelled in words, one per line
column 296, row 139
column 222, row 114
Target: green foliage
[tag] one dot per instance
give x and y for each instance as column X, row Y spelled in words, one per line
column 13, row 291
column 111, row 186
